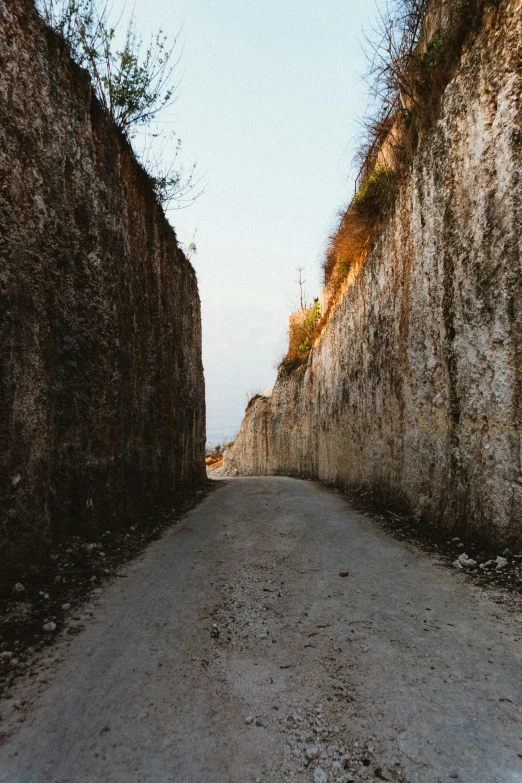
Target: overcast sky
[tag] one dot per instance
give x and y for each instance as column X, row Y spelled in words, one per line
column 270, row 95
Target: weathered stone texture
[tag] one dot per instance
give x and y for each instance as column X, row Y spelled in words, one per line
column 414, row 388
column 101, row 383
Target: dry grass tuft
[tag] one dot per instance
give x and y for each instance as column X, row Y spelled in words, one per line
column 412, row 56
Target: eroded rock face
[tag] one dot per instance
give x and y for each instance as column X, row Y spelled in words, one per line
column 414, row 388
column 101, row 383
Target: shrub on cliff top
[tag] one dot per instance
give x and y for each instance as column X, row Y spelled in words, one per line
column 374, row 193
column 412, row 54
column 310, row 328
column 303, row 337
column 134, row 83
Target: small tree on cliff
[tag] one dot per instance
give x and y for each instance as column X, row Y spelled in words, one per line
column 133, row 81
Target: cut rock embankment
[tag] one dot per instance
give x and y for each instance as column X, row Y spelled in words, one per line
column 414, row 389
column 102, row 409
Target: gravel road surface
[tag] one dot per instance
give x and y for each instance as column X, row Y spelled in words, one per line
column 276, row 635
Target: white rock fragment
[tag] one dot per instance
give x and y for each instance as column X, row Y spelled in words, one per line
column 501, row 562
column 312, row 752
column 320, row 775
column 49, row 627
column 18, row 588
column 463, row 561
column 249, row 719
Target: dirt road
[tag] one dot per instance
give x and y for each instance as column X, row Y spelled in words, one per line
column 234, row 651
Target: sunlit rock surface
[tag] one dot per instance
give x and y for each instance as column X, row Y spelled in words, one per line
column 414, row 388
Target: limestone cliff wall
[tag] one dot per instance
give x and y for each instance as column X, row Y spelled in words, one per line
column 101, row 384
column 414, row 388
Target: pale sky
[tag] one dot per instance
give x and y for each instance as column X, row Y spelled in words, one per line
column 270, row 97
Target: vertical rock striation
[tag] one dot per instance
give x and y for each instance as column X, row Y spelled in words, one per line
column 102, row 410
column 414, row 388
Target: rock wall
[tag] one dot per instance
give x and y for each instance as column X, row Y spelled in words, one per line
column 101, row 384
column 414, row 389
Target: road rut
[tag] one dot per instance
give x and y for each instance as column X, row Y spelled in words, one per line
column 235, row 651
